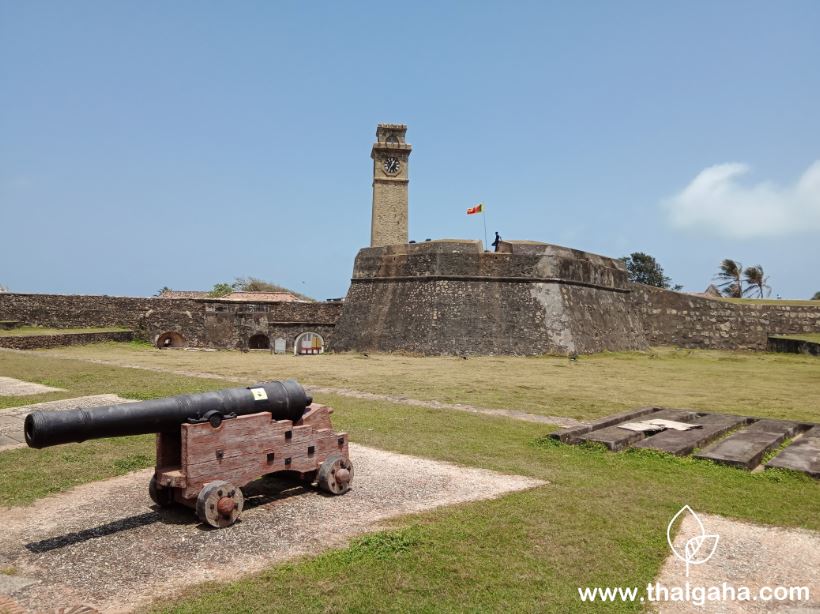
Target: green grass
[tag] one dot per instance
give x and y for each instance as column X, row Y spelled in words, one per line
column 27, row 475
column 766, row 385
column 81, row 379
column 600, row 521
column 29, row 331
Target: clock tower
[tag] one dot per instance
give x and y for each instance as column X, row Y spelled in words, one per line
column 390, row 153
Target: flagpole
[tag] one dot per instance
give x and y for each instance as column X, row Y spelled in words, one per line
column 484, row 219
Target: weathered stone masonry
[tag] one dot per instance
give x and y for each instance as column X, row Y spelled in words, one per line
column 39, row 342
column 683, row 320
column 200, row 322
column 451, row 297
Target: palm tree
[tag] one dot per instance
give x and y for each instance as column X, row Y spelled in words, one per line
column 730, row 276
column 756, row 280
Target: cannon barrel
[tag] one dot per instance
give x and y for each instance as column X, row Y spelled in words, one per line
column 285, row 400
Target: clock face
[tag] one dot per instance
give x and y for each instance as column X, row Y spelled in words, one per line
column 392, row 166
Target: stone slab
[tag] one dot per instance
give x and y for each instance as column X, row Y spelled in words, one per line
column 7, row 443
column 571, row 434
column 802, row 455
column 684, row 442
column 10, row 387
column 774, row 426
column 746, row 448
column 616, row 438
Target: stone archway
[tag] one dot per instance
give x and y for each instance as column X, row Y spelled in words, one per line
column 259, row 341
column 170, row 339
column 309, row 343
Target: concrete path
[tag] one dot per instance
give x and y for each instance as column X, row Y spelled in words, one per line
column 10, row 387
column 515, row 414
column 11, row 420
column 749, row 555
column 103, row 545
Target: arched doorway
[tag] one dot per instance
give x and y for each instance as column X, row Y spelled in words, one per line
column 259, row 341
column 309, row 343
column 170, row 340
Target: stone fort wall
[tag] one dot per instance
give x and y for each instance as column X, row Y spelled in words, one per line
column 201, row 322
column 683, row 320
column 451, row 297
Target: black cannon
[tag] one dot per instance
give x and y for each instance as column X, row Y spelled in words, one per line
column 210, row 445
column 283, row 400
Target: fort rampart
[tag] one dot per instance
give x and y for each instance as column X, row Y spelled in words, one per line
column 451, row 297
column 448, row 297
column 199, row 322
column 683, row 320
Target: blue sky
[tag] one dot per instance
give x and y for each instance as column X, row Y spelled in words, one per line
column 149, row 144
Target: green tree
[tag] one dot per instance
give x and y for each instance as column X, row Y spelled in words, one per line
column 730, row 276
column 162, row 291
column 221, row 289
column 644, row 269
column 816, row 296
column 756, row 281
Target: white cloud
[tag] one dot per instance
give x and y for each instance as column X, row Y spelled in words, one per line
column 717, row 201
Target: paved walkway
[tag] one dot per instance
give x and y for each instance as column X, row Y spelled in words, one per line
column 745, row 555
column 10, row 387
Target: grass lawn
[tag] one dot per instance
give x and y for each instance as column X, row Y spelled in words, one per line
column 80, row 379
column 771, row 385
column 600, row 521
column 29, row 331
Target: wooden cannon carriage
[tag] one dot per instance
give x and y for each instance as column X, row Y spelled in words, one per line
column 205, row 467
column 211, row 444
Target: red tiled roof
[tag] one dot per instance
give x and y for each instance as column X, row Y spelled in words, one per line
column 263, row 297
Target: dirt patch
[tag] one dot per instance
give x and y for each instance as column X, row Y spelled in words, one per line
column 103, row 545
column 10, row 387
column 748, row 555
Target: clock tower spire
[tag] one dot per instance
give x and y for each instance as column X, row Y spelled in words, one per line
column 390, row 153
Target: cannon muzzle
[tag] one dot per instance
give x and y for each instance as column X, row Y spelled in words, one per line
column 285, row 400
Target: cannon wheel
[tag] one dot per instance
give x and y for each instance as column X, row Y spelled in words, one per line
column 335, row 474
column 219, row 504
column 161, row 495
